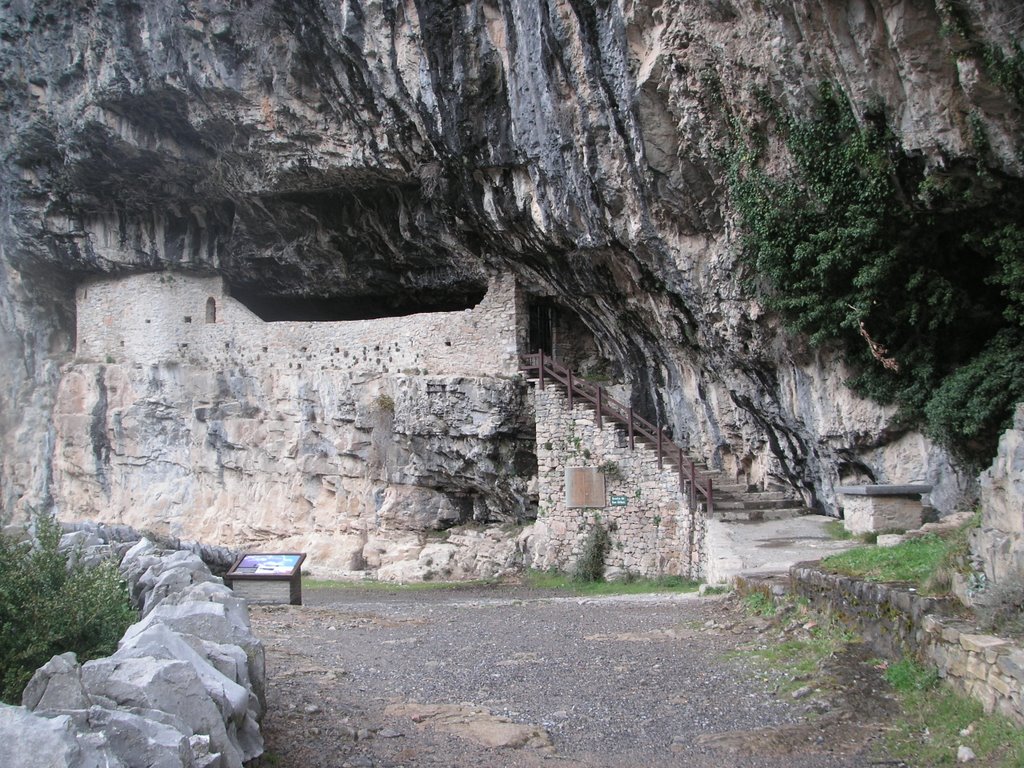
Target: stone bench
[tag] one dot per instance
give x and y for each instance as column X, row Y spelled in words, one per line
column 873, row 508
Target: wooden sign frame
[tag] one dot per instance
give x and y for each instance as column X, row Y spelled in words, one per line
column 268, row 577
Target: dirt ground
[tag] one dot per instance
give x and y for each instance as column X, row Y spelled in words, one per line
column 509, row 676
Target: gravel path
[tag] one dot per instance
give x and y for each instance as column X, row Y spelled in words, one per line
column 508, row 676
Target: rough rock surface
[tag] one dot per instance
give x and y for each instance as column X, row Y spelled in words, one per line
column 185, row 688
column 381, row 151
column 999, row 542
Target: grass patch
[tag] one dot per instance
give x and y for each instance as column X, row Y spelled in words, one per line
column 914, row 561
column 928, row 732
column 634, row 586
column 759, row 603
column 836, row 530
column 797, row 660
column 928, row 562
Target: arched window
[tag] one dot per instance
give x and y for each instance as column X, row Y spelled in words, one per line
column 211, row 310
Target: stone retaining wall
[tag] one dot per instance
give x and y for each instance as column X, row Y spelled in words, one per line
column 654, row 534
column 184, row 688
column 896, row 622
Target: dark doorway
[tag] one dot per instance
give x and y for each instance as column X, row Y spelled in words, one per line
column 543, row 319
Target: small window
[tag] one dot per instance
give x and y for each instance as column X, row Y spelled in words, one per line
column 211, row 310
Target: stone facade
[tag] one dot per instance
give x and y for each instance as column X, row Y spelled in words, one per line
column 151, row 318
column 654, row 534
column 999, row 542
column 896, row 622
column 351, row 441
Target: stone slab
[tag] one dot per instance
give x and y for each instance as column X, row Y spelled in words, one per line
column 871, row 514
column 884, row 490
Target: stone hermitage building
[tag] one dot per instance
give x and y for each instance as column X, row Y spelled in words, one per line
column 398, row 447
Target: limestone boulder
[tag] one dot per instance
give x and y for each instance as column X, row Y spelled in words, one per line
column 171, row 686
column 29, row 741
column 56, row 685
column 211, row 612
column 238, row 708
column 135, row 739
column 170, row 575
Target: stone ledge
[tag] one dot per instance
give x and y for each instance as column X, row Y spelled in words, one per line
column 895, row 621
column 884, row 490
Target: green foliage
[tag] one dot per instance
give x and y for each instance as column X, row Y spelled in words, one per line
column 1006, row 70
column 915, row 273
column 759, row 603
column 50, row 606
column 611, row 470
column 384, row 403
column 590, row 566
column 935, row 720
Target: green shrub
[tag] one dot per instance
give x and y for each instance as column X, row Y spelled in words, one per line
column 48, row 606
column 384, row 403
column 916, row 273
column 590, row 566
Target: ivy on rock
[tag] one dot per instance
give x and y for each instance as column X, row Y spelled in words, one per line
column 916, row 272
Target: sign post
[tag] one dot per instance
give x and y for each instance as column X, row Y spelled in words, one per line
column 268, row 578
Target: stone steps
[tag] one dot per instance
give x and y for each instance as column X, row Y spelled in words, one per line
column 733, row 502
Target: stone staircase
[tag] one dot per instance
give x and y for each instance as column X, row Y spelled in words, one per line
column 731, row 502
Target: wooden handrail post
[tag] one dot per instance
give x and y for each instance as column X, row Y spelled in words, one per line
column 711, row 507
column 629, row 428
column 540, row 366
column 693, row 484
column 600, row 406
column 569, row 388
column 659, row 445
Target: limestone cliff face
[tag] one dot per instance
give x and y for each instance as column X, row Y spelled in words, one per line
column 411, row 148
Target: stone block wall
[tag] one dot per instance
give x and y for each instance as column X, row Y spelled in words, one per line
column 863, row 514
column 654, row 534
column 152, row 318
column 897, row 622
column 999, row 542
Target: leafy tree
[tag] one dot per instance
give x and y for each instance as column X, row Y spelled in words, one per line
column 50, row 605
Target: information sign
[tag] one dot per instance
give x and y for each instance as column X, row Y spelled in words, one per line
column 619, row 501
column 268, row 577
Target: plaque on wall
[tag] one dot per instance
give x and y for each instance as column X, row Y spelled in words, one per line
column 274, row 577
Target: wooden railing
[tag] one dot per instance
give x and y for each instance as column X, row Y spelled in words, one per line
column 548, row 370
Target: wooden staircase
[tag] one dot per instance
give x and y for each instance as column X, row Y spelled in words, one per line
column 728, row 502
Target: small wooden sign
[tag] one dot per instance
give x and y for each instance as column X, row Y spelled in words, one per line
column 618, row 501
column 274, row 577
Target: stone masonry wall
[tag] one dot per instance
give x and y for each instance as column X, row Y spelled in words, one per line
column 160, row 316
column 897, row 622
column 653, row 535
